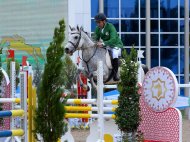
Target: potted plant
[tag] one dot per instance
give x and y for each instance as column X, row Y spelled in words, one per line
column 127, row 112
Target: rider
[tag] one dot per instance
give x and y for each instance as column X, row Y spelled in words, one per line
column 106, row 35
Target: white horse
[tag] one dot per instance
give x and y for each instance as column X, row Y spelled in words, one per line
column 91, row 54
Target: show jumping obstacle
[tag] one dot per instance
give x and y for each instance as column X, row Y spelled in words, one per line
column 26, row 90
column 99, row 107
column 161, row 123
column 22, row 112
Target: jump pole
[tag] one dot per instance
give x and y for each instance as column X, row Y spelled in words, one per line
column 12, row 91
column 100, row 105
column 23, row 93
column 23, row 102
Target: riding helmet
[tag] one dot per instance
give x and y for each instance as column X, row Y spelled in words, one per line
column 100, row 17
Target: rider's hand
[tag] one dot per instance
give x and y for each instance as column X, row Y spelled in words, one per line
column 99, row 44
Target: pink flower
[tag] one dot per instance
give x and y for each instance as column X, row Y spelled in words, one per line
column 64, row 95
column 140, row 88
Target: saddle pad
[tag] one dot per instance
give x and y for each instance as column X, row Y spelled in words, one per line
column 108, row 60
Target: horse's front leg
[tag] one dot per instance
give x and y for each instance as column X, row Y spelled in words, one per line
column 93, row 83
column 90, row 76
column 84, row 86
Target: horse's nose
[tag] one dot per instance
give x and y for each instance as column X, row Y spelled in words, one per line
column 66, row 50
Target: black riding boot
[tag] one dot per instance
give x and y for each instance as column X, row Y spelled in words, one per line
column 115, row 69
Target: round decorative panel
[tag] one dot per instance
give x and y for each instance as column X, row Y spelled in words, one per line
column 160, row 89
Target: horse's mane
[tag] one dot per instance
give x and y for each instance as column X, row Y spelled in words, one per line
column 89, row 36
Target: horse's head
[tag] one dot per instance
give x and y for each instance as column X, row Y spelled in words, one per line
column 75, row 41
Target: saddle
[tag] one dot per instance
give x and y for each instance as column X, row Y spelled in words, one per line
column 109, row 59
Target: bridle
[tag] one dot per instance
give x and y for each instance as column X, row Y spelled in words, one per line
column 77, row 44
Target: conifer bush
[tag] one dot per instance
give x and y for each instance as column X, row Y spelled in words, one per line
column 49, row 119
column 127, row 112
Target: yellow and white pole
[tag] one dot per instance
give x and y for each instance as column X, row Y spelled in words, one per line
column 33, row 110
column 86, row 115
column 90, row 101
column 30, row 108
column 88, row 108
column 9, row 100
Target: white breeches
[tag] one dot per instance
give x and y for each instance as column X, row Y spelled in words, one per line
column 116, row 52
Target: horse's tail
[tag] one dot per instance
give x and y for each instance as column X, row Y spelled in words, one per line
column 109, row 77
column 145, row 68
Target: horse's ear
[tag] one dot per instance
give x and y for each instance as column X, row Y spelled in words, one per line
column 70, row 28
column 81, row 28
column 77, row 27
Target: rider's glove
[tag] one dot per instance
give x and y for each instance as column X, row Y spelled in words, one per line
column 100, row 44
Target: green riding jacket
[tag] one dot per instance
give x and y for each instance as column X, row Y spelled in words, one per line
column 109, row 36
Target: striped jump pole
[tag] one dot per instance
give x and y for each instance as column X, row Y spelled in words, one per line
column 88, row 108
column 84, row 115
column 9, row 133
column 90, row 101
column 81, row 101
column 9, row 113
column 9, row 100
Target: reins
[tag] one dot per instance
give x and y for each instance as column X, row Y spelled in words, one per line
column 89, row 58
column 77, row 44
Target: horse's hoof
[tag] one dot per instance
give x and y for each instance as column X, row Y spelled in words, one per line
column 90, row 75
column 86, row 87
